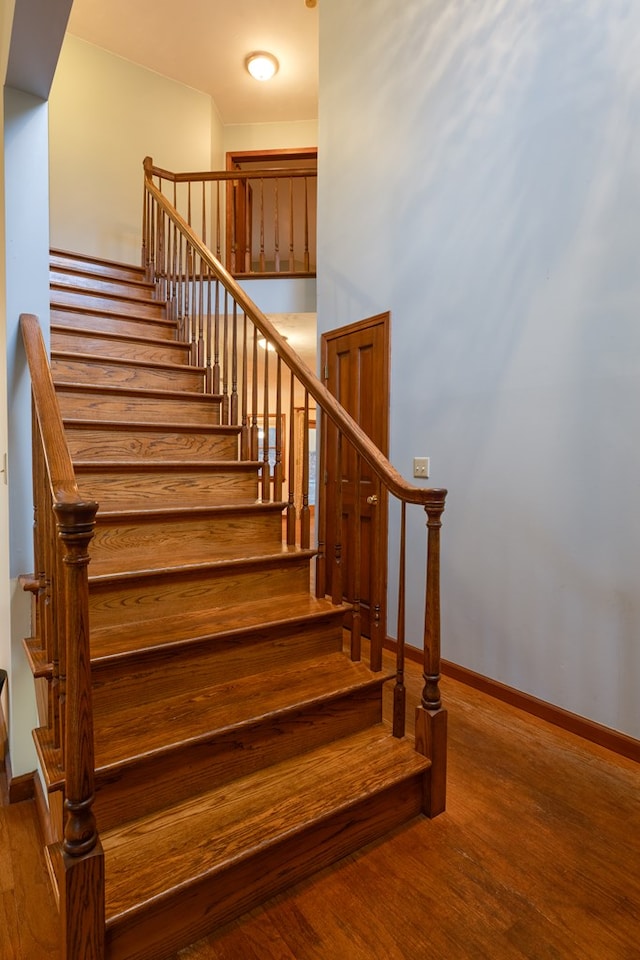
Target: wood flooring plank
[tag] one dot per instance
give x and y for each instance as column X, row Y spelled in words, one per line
column 29, row 929
column 536, row 858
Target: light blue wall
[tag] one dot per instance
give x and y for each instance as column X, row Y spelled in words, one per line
column 480, row 177
column 27, row 291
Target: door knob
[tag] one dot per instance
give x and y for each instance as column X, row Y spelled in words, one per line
column 372, row 499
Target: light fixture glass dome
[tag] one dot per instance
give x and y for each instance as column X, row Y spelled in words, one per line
column 262, row 66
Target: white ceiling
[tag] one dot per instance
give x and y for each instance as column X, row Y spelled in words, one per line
column 204, row 43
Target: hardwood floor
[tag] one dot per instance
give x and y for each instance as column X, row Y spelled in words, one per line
column 537, row 857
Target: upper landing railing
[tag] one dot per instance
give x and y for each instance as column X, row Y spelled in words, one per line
column 259, row 223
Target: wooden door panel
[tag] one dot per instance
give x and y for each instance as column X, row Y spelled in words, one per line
column 356, row 362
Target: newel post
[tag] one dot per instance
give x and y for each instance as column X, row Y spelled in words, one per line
column 81, row 879
column 431, row 718
column 147, row 165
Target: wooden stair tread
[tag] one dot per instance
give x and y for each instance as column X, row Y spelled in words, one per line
column 111, row 335
column 73, row 259
column 59, row 285
column 158, row 466
column 37, row 657
column 227, row 556
column 79, row 278
column 95, row 312
column 192, row 510
column 113, row 390
column 126, row 733
column 158, row 426
column 100, row 358
column 189, row 627
column 207, row 834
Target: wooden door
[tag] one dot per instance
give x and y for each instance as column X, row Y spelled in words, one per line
column 356, row 370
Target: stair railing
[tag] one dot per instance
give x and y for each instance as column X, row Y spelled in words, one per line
column 260, row 222
column 259, row 379
column 63, row 528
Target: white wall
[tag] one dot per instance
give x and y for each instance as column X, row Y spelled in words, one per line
column 486, row 189
column 271, row 136
column 106, row 115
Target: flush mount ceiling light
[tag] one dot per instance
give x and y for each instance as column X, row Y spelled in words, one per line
column 262, row 66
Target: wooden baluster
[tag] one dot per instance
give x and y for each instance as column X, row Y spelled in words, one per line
column 262, row 261
column 182, row 332
column 188, row 303
column 337, row 590
column 321, row 558
column 276, row 227
column 189, row 202
column 266, row 466
column 209, row 337
column 218, row 223
column 48, row 552
column 234, row 231
column 306, row 226
column 58, row 600
column 175, row 194
column 399, row 692
column 245, row 446
column 82, row 877
column 356, row 561
column 146, row 164
column 216, row 342
column 203, row 234
column 200, row 293
column 254, row 400
column 152, row 244
column 277, row 472
column 39, row 574
column 291, row 504
column 225, row 361
column 431, row 718
column 292, row 258
column 377, row 598
column 305, row 513
column 171, row 285
column 247, row 229
column 234, row 366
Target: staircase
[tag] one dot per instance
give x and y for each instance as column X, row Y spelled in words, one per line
column 238, row 748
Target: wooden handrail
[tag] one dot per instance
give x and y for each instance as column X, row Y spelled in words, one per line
column 64, row 488
column 393, row 480
column 209, row 176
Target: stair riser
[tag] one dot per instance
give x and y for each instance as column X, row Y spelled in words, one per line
column 85, row 300
column 178, row 921
column 114, row 443
column 161, row 596
column 85, row 320
column 192, row 539
column 250, row 652
column 169, row 488
column 60, row 259
column 93, row 283
column 126, row 375
column 94, row 405
column 125, row 795
column 80, row 342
